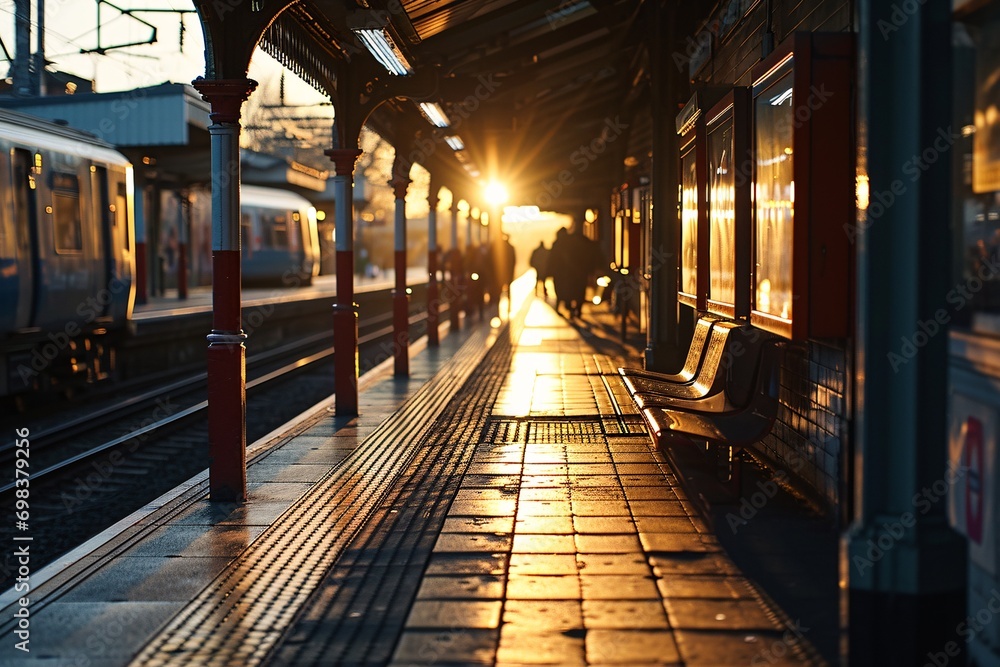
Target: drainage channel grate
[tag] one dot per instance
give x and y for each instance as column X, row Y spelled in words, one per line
column 565, row 431
column 505, row 430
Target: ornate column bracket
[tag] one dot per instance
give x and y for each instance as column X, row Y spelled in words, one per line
column 226, row 97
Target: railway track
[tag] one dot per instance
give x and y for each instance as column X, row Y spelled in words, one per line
column 90, row 471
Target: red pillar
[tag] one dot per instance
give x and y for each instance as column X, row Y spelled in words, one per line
column 345, row 311
column 432, row 269
column 400, row 300
column 456, row 272
column 226, row 353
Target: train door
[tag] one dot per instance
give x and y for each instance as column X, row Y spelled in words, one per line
column 24, row 189
column 102, row 216
column 112, row 220
column 67, row 246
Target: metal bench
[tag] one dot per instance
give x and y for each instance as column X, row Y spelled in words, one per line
column 728, row 429
column 731, row 388
column 707, row 381
column 728, row 403
column 696, row 352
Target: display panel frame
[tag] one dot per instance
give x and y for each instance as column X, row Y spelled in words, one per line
column 729, row 194
column 692, row 243
column 821, row 272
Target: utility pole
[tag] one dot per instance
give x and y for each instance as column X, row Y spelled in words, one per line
column 21, row 70
column 38, row 80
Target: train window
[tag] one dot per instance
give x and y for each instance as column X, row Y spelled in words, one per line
column 274, row 226
column 121, row 211
column 67, row 227
column 246, row 234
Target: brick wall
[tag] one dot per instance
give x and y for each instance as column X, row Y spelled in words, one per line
column 812, row 429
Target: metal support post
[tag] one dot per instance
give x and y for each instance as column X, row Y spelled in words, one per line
column 227, row 404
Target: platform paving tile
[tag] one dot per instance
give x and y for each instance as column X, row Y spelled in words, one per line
column 544, row 493
column 466, row 542
column 544, row 563
column 462, row 587
column 531, row 508
column 449, row 614
column 479, row 524
column 703, row 587
column 544, row 544
column 543, row 587
column 630, row 647
column 717, row 614
column 467, row 563
column 89, row 633
column 603, row 524
column 446, row 647
column 482, row 508
column 613, row 563
column 546, row 525
column 149, row 579
column 491, row 481
column 522, row 647
column 684, row 542
column 624, row 615
column 487, row 494
column 667, row 524
column 604, row 507
column 176, row 540
column 602, row 493
column 700, row 648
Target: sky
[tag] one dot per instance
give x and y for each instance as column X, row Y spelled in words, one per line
column 71, row 26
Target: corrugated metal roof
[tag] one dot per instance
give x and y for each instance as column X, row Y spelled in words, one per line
column 156, row 116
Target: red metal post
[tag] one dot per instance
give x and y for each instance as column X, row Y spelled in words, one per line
column 432, row 269
column 182, row 243
column 226, row 353
column 400, row 300
column 345, row 311
column 140, row 272
column 141, row 267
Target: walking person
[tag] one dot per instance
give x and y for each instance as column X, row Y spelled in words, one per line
column 539, row 261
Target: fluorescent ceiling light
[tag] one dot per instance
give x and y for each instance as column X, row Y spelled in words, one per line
column 455, row 142
column 435, row 114
column 384, row 50
column 781, row 98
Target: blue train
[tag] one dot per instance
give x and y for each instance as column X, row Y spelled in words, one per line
column 67, row 252
column 278, row 231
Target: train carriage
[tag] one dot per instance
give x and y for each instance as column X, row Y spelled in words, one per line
column 66, row 260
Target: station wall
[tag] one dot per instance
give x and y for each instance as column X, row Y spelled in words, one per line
column 810, row 438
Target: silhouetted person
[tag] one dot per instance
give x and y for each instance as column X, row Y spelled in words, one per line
column 572, row 261
column 560, row 267
column 540, row 263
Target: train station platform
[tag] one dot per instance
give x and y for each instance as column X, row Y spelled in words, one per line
column 503, row 505
column 199, row 299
